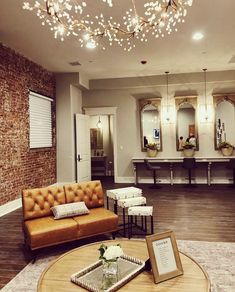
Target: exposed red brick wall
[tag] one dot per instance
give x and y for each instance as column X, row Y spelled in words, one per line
column 20, row 166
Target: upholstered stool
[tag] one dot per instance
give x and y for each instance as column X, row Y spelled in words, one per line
column 130, row 202
column 122, row 193
column 143, row 211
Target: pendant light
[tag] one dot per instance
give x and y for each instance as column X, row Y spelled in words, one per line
column 206, row 110
column 167, row 103
column 99, row 124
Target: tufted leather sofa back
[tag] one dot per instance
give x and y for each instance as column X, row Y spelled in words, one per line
column 90, row 192
column 37, row 202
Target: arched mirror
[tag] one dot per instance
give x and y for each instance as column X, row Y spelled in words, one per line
column 224, row 118
column 186, row 125
column 150, row 122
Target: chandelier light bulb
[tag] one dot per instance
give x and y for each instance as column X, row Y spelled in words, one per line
column 91, row 44
column 69, row 18
column 99, row 124
column 86, row 36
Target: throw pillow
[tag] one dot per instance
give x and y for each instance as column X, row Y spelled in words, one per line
column 69, row 210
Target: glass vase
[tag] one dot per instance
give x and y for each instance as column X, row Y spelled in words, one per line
column 110, row 268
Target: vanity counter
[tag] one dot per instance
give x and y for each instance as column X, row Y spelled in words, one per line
column 172, row 162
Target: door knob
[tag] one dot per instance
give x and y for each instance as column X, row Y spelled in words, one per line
column 79, row 158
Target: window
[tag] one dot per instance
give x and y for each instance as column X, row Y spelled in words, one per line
column 40, row 134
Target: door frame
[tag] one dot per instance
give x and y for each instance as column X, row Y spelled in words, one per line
column 96, row 111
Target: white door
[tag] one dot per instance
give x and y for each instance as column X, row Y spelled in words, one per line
column 83, row 154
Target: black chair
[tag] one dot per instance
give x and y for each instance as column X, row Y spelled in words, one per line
column 189, row 164
column 153, row 168
column 231, row 165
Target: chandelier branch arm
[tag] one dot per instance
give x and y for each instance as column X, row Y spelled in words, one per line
column 60, row 16
column 173, row 4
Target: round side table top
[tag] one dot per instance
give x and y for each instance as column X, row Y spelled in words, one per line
column 56, row 277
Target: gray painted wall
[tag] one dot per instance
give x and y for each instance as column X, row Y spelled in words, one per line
column 115, row 92
column 68, row 102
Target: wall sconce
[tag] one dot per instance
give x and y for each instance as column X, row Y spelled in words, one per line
column 99, row 124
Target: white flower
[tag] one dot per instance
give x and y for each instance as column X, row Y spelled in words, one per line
column 113, row 252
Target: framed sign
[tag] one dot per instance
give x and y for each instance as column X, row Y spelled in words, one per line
column 164, row 256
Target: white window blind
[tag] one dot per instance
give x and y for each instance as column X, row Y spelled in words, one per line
column 40, row 134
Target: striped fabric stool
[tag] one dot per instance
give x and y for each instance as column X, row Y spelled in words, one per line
column 122, row 193
column 130, row 202
column 144, row 212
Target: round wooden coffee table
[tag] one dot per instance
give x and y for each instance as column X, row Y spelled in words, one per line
column 57, row 276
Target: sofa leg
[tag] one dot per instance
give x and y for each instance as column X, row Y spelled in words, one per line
column 34, row 259
column 113, row 235
column 34, row 254
column 30, row 255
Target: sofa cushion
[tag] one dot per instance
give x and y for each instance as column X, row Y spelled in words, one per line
column 38, row 202
column 99, row 220
column 46, row 231
column 69, row 210
column 90, row 192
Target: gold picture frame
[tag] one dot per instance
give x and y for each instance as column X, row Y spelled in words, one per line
column 164, row 256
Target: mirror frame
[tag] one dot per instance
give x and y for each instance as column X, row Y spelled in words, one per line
column 217, row 99
column 179, row 100
column 156, row 102
column 96, row 139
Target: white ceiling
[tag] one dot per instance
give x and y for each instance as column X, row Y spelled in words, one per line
column 177, row 53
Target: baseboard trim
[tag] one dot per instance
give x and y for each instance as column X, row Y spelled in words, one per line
column 61, row 184
column 177, row 180
column 10, row 206
column 124, row 180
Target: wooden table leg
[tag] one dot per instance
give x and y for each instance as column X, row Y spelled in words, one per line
column 171, row 173
column 135, row 168
column 209, row 173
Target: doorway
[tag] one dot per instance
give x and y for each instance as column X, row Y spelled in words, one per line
column 103, row 143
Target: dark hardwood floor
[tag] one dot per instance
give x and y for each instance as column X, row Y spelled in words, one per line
column 198, row 213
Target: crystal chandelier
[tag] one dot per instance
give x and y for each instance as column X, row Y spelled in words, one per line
column 69, row 18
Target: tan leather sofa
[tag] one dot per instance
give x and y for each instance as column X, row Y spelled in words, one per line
column 42, row 230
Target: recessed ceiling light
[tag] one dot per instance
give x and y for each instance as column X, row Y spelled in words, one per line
column 197, row 36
